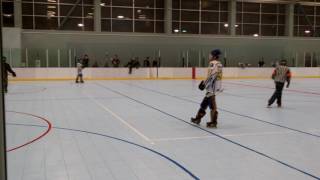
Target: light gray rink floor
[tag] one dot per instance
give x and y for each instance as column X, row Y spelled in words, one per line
column 127, row 130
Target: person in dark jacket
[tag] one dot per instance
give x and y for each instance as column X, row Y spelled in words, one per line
column 261, row 63
column 115, row 61
column 155, row 63
column 146, row 62
column 5, row 69
column 130, row 65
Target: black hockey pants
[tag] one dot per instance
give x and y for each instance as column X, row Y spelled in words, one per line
column 277, row 95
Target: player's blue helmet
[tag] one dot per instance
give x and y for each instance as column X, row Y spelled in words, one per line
column 216, row 52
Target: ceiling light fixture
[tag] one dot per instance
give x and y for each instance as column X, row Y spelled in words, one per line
column 120, row 17
column 7, row 15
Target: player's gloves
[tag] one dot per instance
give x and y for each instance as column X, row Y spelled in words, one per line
column 288, row 84
column 202, row 86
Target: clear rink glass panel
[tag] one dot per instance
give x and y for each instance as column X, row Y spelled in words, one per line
column 167, row 56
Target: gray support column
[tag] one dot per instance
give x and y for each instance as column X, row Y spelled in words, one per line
column 289, row 19
column 168, row 17
column 232, row 16
column 3, row 157
column 17, row 13
column 3, row 171
column 97, row 15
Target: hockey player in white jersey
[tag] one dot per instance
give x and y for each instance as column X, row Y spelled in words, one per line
column 212, row 84
column 79, row 72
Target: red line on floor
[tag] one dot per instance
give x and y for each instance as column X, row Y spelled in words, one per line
column 37, row 138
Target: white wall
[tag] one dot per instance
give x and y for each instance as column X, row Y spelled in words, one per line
column 12, row 45
column 11, row 38
column 151, row 73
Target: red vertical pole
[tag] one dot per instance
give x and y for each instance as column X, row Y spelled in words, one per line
column 193, row 73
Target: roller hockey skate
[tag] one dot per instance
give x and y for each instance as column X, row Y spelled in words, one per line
column 279, row 104
column 213, row 123
column 195, row 121
column 200, row 115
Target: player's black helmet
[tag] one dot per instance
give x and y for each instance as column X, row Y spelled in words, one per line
column 283, row 62
column 216, row 52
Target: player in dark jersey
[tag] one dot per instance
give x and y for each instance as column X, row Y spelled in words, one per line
column 5, row 69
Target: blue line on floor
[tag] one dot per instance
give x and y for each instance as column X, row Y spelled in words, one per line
column 217, row 135
column 121, row 140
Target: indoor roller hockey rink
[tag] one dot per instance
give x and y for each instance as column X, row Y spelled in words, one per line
column 140, row 129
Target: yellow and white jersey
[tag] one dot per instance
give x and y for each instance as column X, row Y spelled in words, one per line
column 213, row 82
column 215, row 67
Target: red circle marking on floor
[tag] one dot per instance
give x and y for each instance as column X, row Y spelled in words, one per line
column 35, row 139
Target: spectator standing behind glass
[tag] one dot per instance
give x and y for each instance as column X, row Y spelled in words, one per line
column 130, row 65
column 115, row 61
column 146, row 62
column 133, row 63
column 155, row 63
column 261, row 63
column 136, row 63
column 85, row 61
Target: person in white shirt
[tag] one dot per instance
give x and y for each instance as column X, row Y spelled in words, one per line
column 79, row 72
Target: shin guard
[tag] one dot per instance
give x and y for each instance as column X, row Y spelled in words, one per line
column 199, row 116
column 213, row 123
